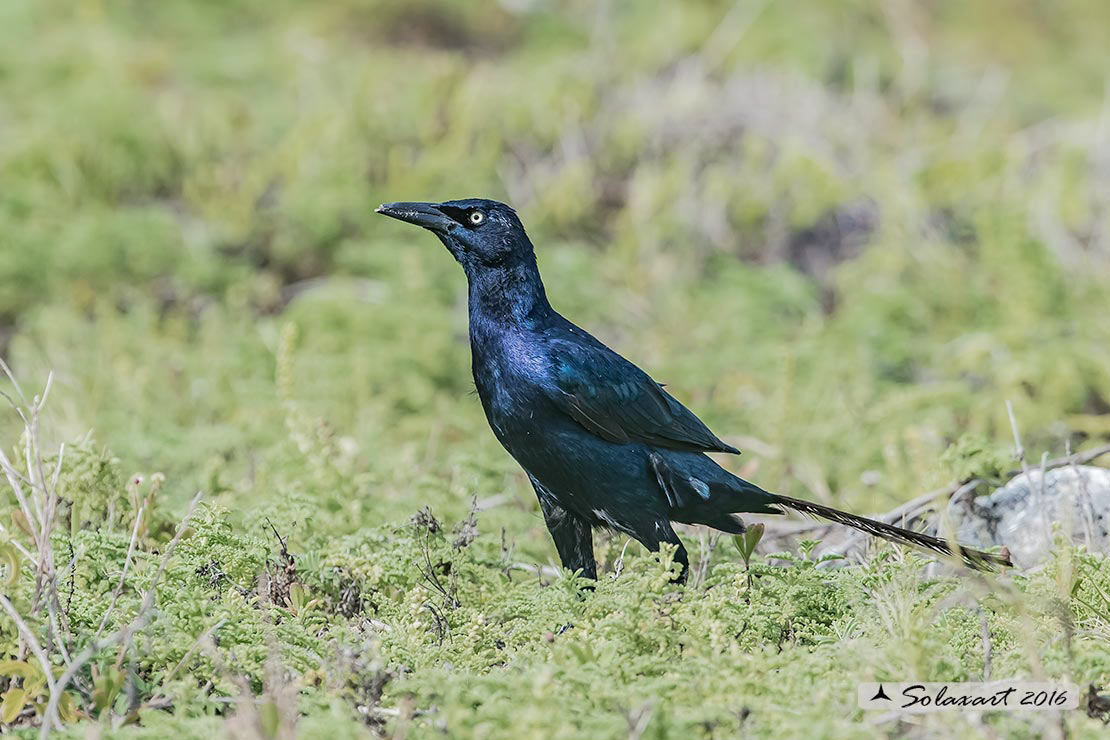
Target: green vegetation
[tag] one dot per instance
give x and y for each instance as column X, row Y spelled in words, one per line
column 846, row 233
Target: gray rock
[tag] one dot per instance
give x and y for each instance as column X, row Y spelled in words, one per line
column 1028, row 513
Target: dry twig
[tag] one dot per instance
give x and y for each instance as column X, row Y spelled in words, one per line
column 122, row 636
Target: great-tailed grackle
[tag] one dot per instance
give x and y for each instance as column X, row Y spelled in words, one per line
column 603, row 444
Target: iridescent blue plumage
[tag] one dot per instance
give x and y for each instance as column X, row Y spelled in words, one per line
column 616, row 400
column 603, row 444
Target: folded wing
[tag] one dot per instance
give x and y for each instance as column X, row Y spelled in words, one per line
column 618, row 401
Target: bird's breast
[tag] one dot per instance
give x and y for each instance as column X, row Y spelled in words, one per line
column 510, row 374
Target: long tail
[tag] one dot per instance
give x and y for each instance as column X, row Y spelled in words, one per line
column 974, row 558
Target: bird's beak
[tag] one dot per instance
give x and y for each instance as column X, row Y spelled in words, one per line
column 421, row 214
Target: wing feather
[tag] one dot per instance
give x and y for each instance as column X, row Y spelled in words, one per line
column 618, row 401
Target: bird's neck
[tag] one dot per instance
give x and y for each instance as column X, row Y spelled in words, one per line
column 508, row 296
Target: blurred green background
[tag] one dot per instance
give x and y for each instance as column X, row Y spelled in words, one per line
column 844, row 232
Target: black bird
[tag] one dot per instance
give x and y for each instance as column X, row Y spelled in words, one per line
column 603, row 444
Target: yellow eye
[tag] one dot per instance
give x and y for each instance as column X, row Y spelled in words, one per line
column 477, row 217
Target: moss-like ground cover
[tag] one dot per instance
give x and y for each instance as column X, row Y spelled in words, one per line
column 846, row 233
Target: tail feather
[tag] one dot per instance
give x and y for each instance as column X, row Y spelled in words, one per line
column 974, row 558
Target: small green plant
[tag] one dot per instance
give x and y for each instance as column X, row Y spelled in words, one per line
column 746, row 544
column 974, row 456
column 807, row 548
column 31, row 692
column 107, row 682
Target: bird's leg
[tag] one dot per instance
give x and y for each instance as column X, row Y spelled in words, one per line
column 661, row 531
column 572, row 534
column 573, row 539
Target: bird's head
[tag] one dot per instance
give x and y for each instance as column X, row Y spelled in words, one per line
column 478, row 232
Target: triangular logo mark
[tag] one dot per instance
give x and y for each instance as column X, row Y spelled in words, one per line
column 880, row 694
